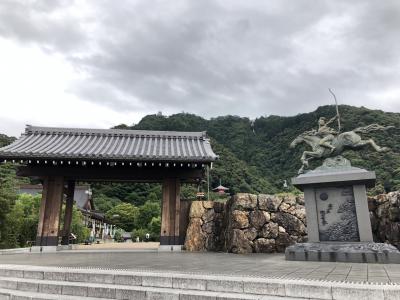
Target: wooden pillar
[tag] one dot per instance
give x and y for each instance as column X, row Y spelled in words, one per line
column 50, row 209
column 170, row 214
column 69, row 204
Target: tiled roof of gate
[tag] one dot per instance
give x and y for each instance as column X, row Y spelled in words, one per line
column 107, row 144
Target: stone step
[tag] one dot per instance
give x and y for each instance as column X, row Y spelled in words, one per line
column 192, row 282
column 110, row 283
column 8, row 294
column 22, row 288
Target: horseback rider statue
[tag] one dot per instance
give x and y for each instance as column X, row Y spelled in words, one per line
column 326, row 142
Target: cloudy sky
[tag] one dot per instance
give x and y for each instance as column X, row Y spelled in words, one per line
column 102, row 63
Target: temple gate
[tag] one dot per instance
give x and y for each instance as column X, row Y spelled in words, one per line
column 60, row 157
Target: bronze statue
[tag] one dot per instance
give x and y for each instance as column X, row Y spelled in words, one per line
column 327, row 142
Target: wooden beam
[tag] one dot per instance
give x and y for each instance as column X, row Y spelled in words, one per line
column 69, row 203
column 50, row 209
column 42, row 210
column 176, row 208
column 170, row 215
column 153, row 174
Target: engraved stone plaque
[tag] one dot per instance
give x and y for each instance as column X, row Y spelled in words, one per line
column 337, row 218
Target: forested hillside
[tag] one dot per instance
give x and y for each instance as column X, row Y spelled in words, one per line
column 5, row 140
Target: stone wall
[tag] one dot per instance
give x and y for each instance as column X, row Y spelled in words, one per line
column 263, row 223
column 204, row 232
column 385, row 218
column 269, row 223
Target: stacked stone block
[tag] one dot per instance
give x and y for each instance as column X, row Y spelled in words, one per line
column 205, row 225
column 263, row 223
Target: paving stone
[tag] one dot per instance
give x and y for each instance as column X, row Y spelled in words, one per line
column 356, row 279
column 14, row 273
column 236, row 296
column 4, row 296
column 100, row 292
column 8, row 284
column 188, row 283
column 33, row 274
column 308, row 291
column 156, row 281
column 101, row 278
column 27, row 286
column 262, row 288
column 339, row 272
column 391, row 294
column 15, row 297
column 127, row 279
column 335, row 277
column 77, row 277
column 129, row 294
column 365, row 293
column 377, row 273
column 59, row 276
column 75, row 290
column 153, row 295
column 50, row 288
column 193, row 295
column 224, row 286
column 378, row 279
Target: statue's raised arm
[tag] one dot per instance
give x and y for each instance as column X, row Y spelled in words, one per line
column 332, row 120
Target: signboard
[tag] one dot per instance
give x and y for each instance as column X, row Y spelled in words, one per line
column 337, row 218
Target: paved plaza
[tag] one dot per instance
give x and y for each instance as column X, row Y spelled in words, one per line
column 252, row 265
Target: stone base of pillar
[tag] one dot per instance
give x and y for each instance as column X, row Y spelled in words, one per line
column 170, row 248
column 171, row 240
column 65, row 240
column 42, row 249
column 47, row 241
column 64, row 247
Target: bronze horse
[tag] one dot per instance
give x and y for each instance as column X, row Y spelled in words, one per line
column 349, row 139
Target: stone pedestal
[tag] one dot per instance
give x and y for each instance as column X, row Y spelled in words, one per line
column 338, row 221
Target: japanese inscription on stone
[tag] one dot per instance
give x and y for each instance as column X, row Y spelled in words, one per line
column 337, row 219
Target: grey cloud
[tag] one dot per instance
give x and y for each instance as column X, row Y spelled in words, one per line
column 37, row 23
column 248, row 58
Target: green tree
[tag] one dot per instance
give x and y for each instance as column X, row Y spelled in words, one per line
column 118, row 236
column 104, row 203
column 8, row 197
column 139, row 232
column 24, row 217
column 81, row 232
column 188, row 192
column 147, row 212
column 124, row 215
column 155, row 228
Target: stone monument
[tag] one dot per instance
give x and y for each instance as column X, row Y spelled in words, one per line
column 338, row 221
